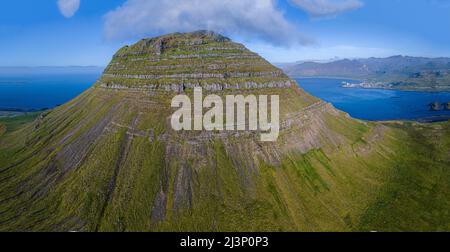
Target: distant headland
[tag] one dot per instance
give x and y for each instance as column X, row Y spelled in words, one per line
column 396, row 72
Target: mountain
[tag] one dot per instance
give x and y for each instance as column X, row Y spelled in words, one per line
column 396, row 72
column 109, row 160
column 50, row 70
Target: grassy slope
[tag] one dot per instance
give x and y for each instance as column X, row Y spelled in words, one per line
column 401, row 185
column 397, row 183
column 2, row 129
column 417, row 194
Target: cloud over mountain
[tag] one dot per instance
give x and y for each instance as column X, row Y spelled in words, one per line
column 68, row 8
column 247, row 19
column 322, row 8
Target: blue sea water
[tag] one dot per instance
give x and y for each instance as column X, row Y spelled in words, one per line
column 38, row 91
column 376, row 104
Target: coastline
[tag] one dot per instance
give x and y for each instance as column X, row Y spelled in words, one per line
column 425, row 120
column 428, row 90
column 15, row 112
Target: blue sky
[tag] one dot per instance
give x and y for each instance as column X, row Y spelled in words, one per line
column 88, row 32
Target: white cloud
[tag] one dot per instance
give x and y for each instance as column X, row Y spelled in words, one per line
column 246, row 19
column 68, row 8
column 323, row 8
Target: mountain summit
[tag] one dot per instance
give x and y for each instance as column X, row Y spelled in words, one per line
column 177, row 61
column 110, row 161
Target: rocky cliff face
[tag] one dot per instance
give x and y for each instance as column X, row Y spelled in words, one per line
column 110, row 161
column 178, row 61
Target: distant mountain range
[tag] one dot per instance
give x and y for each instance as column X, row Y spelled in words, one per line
column 396, row 72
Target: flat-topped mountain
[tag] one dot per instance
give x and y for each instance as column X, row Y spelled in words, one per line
column 396, row 72
column 179, row 61
column 109, row 160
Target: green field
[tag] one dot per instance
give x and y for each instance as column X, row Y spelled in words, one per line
column 13, row 123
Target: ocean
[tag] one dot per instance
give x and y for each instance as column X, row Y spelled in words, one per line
column 377, row 104
column 41, row 91
column 24, row 92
